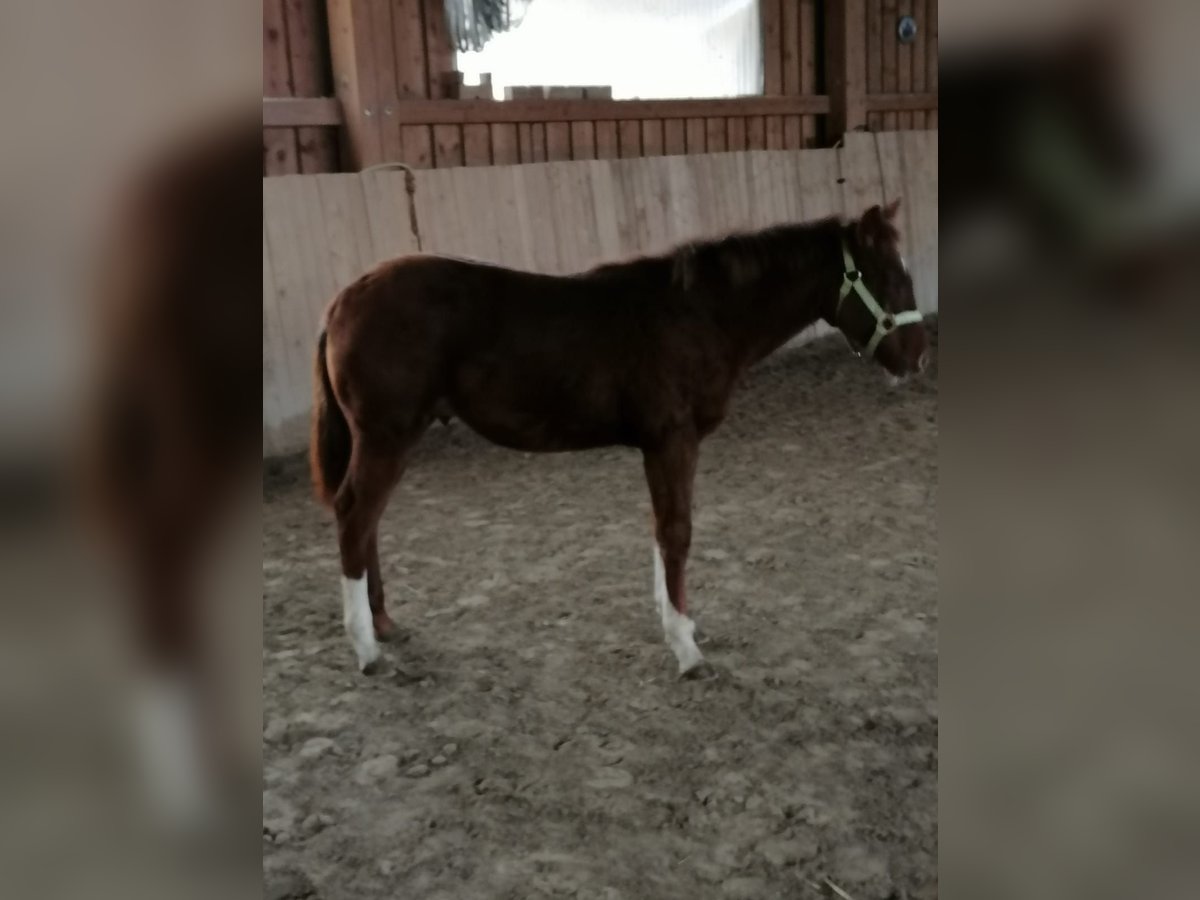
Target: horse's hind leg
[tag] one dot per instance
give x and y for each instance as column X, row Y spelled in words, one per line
column 385, row 628
column 360, row 501
column 670, row 472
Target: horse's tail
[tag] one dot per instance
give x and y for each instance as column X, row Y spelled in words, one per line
column 330, row 445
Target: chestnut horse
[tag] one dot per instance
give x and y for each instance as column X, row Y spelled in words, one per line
column 643, row 353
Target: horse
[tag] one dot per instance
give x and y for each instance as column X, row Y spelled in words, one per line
column 173, row 433
column 643, row 353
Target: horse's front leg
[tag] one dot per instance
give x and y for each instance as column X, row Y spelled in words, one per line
column 670, row 473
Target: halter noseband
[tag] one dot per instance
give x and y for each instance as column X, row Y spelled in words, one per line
column 885, row 322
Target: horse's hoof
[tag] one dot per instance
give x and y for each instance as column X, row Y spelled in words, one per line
column 696, row 667
column 385, row 629
column 374, row 667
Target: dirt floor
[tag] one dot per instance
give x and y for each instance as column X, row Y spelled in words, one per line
column 530, row 737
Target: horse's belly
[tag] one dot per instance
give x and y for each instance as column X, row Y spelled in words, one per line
column 542, row 429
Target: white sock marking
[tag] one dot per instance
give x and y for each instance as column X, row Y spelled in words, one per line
column 677, row 629
column 356, row 616
column 172, row 762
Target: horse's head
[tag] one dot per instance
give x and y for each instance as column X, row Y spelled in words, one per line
column 876, row 310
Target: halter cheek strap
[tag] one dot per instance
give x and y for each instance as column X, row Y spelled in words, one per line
column 885, row 322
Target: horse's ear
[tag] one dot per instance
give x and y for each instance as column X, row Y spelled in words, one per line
column 872, row 226
column 889, row 211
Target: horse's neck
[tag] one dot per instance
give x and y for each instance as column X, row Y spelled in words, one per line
column 777, row 305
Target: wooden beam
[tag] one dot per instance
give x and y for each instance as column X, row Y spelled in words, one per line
column 292, row 112
column 355, row 80
column 912, row 102
column 467, row 112
column 846, row 65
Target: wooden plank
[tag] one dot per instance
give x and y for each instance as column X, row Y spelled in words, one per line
column 447, row 146
column 629, row 138
column 652, row 137
column 277, row 379
column 793, row 134
column 608, row 241
column 528, row 133
column 280, row 154
column 388, row 214
column 818, row 175
column 728, row 173
column 477, row 145
column 505, row 202
column 790, row 43
column 418, row 145
column 896, row 103
column 756, row 133
column 383, row 51
column 408, row 37
column 558, row 134
column 889, row 79
column 439, row 52
column 505, row 148
column 478, row 226
column 792, row 131
column 437, row 211
column 607, row 144
column 874, row 57
column 306, row 29
column 715, row 134
column 859, row 170
column 285, row 112
column 920, row 9
column 443, row 112
column 845, row 66
column 583, row 140
column 891, row 177
column 629, row 229
column 562, row 216
column 685, row 220
column 809, row 47
column 696, row 140
column 558, row 141
column 346, row 230
column 770, row 19
column 735, row 132
column 931, row 58
column 919, row 167
column 775, row 136
column 525, row 142
column 538, row 142
column 287, row 302
column 674, row 137
column 904, row 63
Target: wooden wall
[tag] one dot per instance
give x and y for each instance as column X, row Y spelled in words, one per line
column 321, row 232
column 389, row 58
column 296, row 64
column 896, row 68
column 793, row 64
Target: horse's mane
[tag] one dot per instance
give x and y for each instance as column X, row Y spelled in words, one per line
column 742, row 257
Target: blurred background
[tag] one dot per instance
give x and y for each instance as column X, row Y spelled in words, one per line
column 129, row 449
column 1070, row 225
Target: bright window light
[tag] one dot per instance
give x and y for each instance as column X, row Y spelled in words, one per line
column 641, row 48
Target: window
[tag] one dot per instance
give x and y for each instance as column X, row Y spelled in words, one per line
column 647, row 49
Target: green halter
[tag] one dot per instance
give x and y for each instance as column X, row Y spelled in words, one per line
column 885, row 322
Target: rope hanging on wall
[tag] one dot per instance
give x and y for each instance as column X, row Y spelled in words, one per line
column 472, row 23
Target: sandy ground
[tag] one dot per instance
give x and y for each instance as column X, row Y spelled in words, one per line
column 530, row 738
